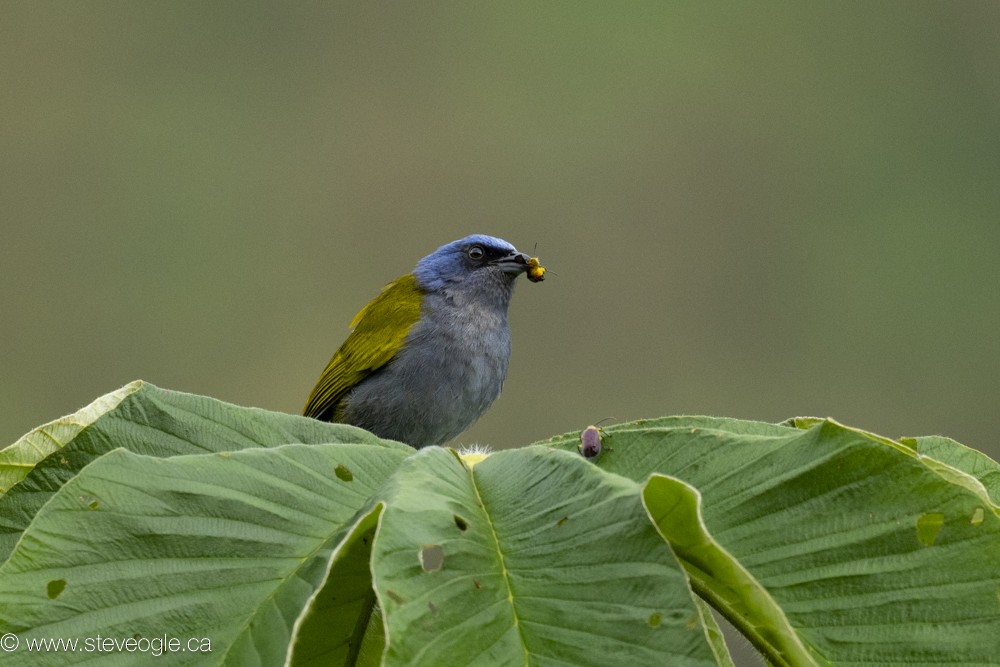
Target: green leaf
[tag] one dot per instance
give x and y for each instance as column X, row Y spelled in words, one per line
column 147, row 420
column 333, row 626
column 531, row 557
column 20, row 458
column 152, row 513
column 229, row 547
column 716, row 640
column 675, row 509
column 960, row 457
column 874, row 554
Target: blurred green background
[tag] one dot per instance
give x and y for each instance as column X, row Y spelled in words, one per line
column 756, row 210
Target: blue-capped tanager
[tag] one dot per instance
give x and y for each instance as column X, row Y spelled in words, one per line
column 428, row 355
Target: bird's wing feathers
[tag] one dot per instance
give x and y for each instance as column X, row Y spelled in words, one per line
column 379, row 331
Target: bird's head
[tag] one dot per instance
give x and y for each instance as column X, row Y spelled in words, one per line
column 479, row 266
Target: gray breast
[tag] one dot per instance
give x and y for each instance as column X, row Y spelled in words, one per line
column 450, row 371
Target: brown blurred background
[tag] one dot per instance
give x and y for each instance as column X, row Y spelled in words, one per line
column 752, row 210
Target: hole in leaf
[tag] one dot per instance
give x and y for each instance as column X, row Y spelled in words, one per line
column 654, row 620
column 343, row 473
column 431, row 558
column 90, row 501
column 461, row 523
column 977, row 516
column 55, row 588
column 928, row 527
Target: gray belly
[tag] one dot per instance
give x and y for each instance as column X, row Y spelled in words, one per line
column 437, row 386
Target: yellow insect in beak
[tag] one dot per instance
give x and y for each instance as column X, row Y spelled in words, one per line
column 536, row 272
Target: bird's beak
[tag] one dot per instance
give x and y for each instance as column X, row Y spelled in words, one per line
column 514, row 264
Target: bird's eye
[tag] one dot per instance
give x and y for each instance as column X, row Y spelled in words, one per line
column 475, row 252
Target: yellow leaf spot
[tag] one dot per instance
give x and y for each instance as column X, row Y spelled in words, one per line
column 928, row 527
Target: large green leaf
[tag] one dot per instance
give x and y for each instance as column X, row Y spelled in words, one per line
column 531, row 557
column 228, row 547
column 675, row 508
column 147, row 420
column 154, row 513
column 873, row 553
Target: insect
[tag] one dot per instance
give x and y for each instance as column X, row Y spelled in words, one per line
column 590, row 441
column 536, row 272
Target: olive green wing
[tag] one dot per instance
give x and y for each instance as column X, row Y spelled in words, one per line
column 379, row 331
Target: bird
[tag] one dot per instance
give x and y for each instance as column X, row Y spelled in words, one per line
column 428, row 356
